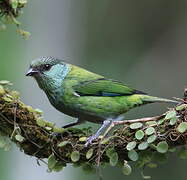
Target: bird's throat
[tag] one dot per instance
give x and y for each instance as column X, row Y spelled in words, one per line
column 52, row 82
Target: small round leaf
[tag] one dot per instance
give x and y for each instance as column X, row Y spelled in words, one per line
column 63, row 143
column 126, row 169
column 151, row 138
column 173, row 121
column 89, row 153
column 58, row 166
column 133, row 155
column 181, row 107
column 19, row 138
column 151, row 123
column 170, row 114
column 131, row 145
column 182, row 127
column 150, row 130
column 143, row 146
column 139, row 134
column 114, row 159
column 82, row 139
column 161, row 121
column 136, row 125
column 51, row 161
column 162, row 147
column 75, row 156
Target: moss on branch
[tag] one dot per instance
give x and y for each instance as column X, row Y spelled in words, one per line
column 10, row 10
column 143, row 142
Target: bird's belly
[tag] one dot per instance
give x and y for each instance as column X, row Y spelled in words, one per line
column 107, row 107
column 101, row 107
column 94, row 109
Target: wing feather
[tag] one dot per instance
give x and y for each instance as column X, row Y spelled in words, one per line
column 104, row 87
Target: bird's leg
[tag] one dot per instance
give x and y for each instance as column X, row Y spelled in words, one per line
column 114, row 122
column 118, row 121
column 105, row 124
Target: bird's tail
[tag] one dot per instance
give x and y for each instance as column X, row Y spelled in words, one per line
column 152, row 99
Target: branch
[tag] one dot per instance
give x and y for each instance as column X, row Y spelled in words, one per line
column 143, row 141
column 10, row 10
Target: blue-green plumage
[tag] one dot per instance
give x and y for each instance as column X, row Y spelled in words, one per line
column 83, row 94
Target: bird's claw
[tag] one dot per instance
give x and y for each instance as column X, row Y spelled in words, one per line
column 89, row 140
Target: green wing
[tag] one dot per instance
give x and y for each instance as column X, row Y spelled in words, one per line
column 104, row 87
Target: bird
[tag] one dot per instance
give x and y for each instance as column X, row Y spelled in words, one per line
column 85, row 95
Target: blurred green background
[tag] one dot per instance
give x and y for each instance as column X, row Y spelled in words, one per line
column 142, row 43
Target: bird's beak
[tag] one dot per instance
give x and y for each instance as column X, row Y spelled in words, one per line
column 31, row 72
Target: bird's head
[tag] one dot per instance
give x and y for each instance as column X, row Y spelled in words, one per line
column 48, row 69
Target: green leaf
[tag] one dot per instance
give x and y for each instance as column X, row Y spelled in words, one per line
column 19, row 138
column 58, row 166
column 82, row 139
column 39, row 111
column 22, row 2
column 170, row 114
column 63, row 143
column 150, row 130
column 106, row 140
column 182, row 154
column 126, row 169
column 58, row 130
column 173, row 121
column 7, row 99
column 75, row 156
column 151, row 123
column 139, row 134
column 182, row 127
column 14, row 4
column 181, row 107
column 131, row 145
column 40, row 122
column 161, row 121
column 151, row 138
column 89, row 153
column 162, row 147
column 48, row 128
column 133, row 155
column 136, row 125
column 114, row 159
column 143, row 146
column 51, row 161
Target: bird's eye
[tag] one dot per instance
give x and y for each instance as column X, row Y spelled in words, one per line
column 47, row 67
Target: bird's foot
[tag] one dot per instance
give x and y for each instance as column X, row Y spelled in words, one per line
column 90, row 139
column 105, row 124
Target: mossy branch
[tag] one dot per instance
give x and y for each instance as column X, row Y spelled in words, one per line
column 10, row 10
column 132, row 141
